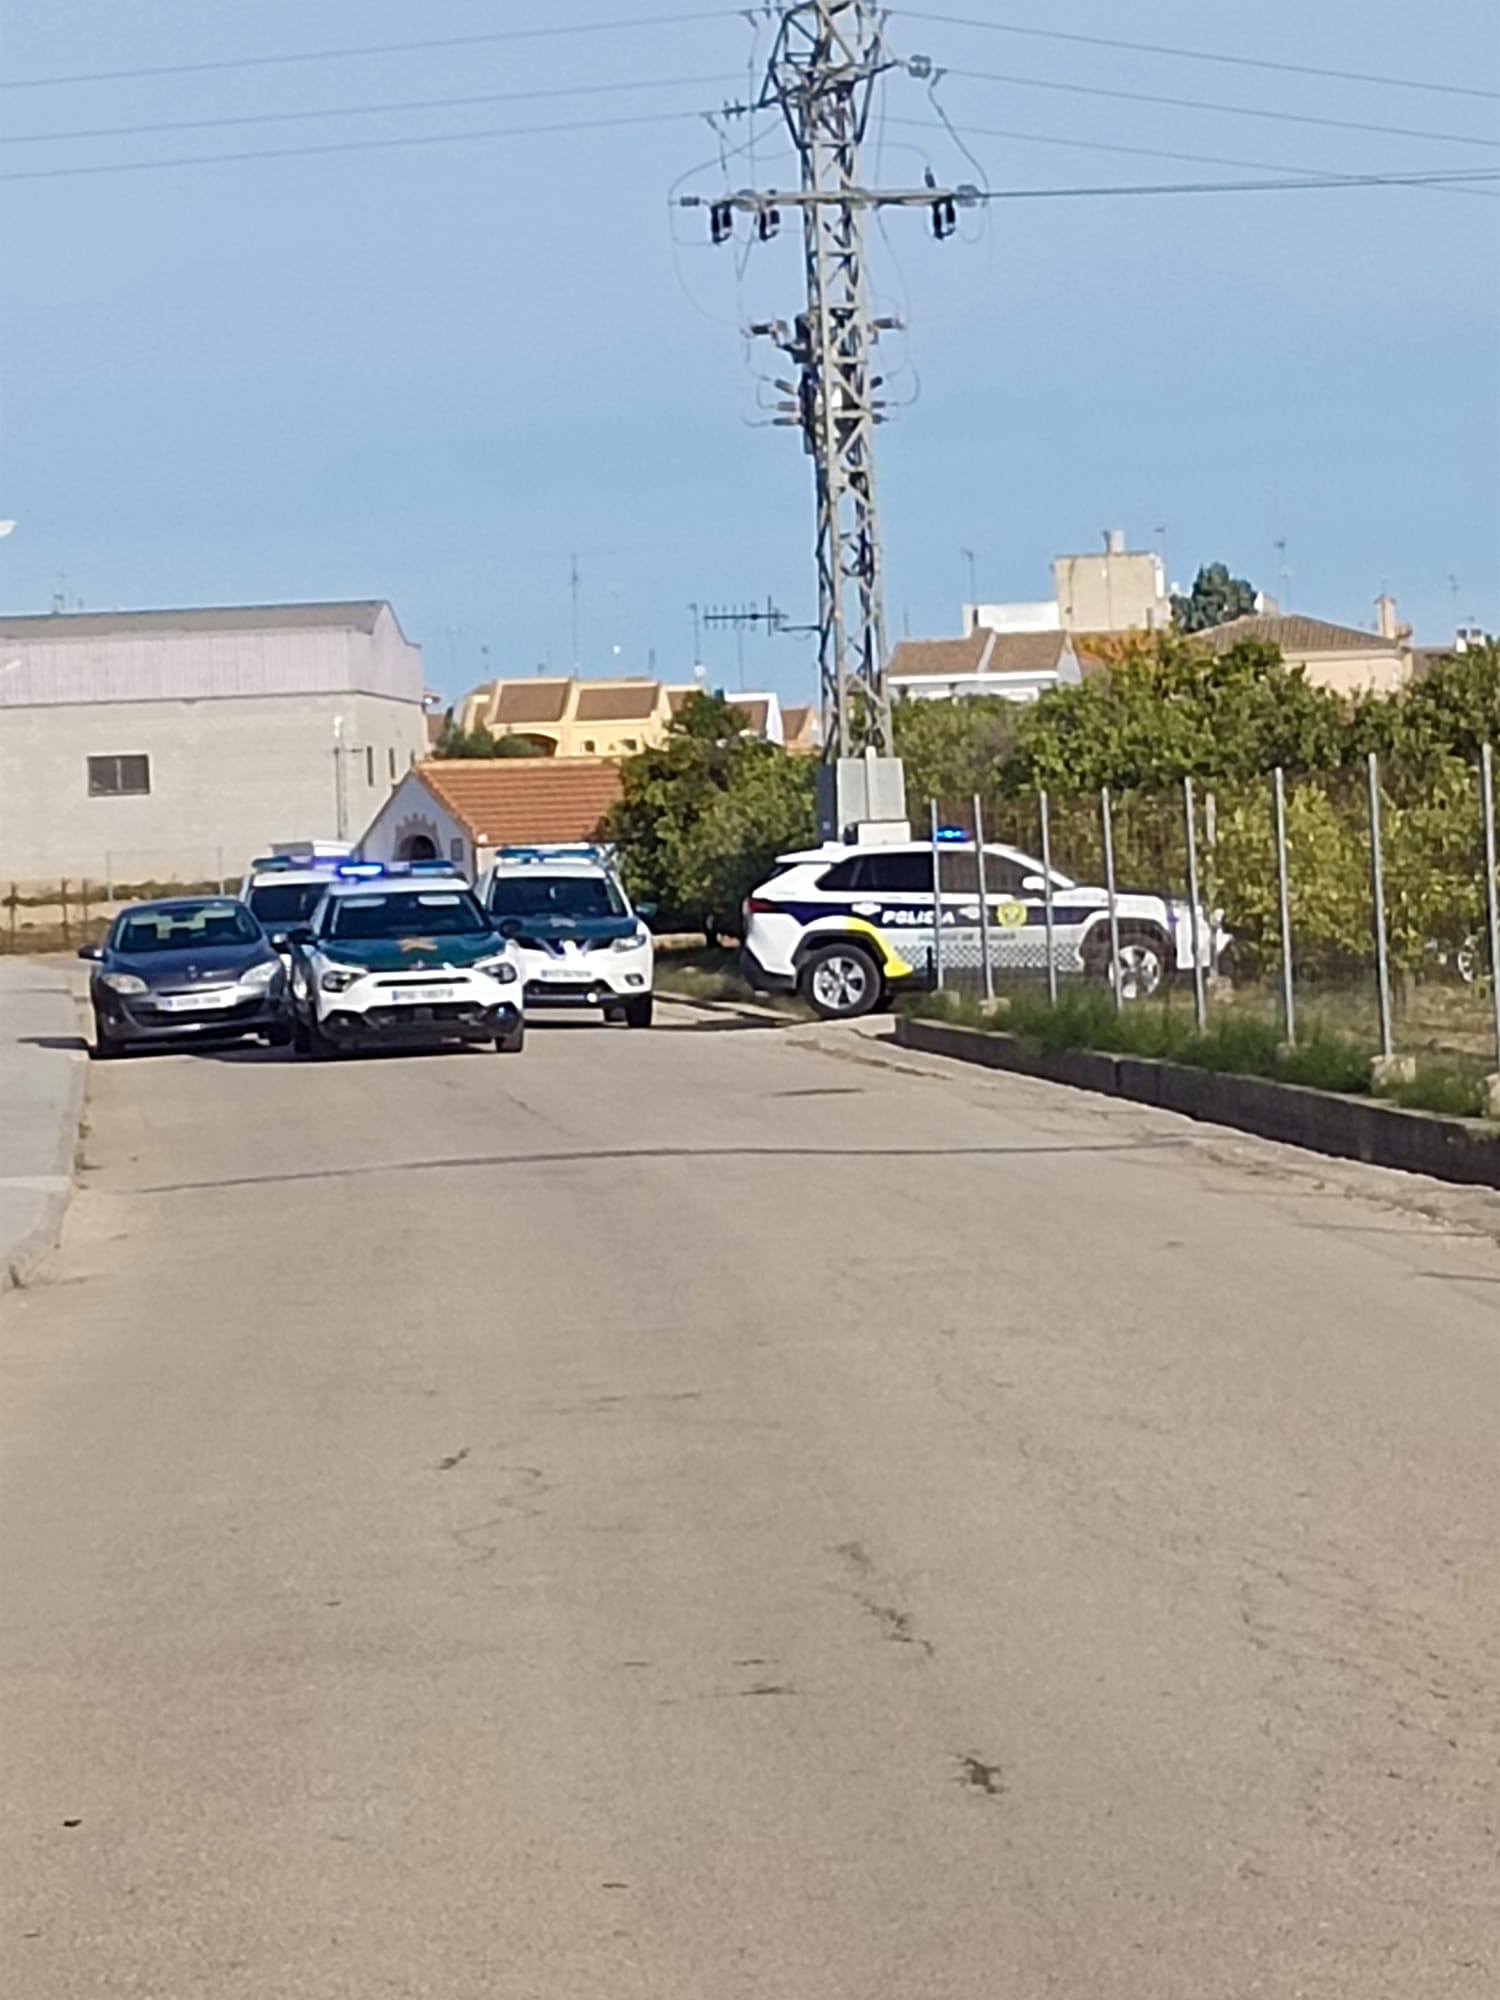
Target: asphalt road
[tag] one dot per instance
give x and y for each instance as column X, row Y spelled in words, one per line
column 714, row 1514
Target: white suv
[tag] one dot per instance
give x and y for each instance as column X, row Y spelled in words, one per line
column 581, row 943
column 848, row 927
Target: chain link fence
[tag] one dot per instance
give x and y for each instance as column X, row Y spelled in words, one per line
column 1360, row 903
column 74, row 909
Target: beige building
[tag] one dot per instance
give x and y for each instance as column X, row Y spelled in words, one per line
column 173, row 746
column 1114, row 590
column 1338, row 657
column 568, row 717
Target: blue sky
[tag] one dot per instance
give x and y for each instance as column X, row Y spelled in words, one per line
column 434, row 372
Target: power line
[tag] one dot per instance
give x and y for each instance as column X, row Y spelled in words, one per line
column 369, row 49
column 367, row 110
column 1199, row 55
column 352, row 146
column 1226, row 110
column 1136, row 152
column 1462, row 177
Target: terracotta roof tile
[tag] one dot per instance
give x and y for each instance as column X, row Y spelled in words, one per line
column 511, row 799
column 979, row 653
column 1297, row 635
column 940, row 656
column 1026, row 653
column 530, row 701
column 618, row 701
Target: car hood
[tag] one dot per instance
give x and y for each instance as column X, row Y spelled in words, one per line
column 411, row 954
column 588, row 930
column 211, row 962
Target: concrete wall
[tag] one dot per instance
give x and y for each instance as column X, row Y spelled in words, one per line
column 228, row 776
column 1379, row 671
column 1115, row 591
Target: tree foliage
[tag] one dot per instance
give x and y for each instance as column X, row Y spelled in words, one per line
column 455, row 741
column 704, row 814
column 1215, row 598
column 952, row 749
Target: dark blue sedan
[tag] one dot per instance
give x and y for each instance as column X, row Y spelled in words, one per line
column 192, row 966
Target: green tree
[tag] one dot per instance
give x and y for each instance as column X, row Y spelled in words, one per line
column 481, row 742
column 953, row 749
column 1216, row 597
column 1170, row 710
column 705, row 813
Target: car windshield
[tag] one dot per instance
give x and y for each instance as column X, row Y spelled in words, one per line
column 400, row 913
column 184, row 927
column 286, row 902
column 517, row 895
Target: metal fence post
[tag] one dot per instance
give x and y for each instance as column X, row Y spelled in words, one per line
column 1491, row 886
column 984, row 899
column 1377, row 895
column 1107, row 824
column 1046, row 820
column 937, row 900
column 1195, row 910
column 1284, row 908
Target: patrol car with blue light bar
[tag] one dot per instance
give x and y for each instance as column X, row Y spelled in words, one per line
column 848, row 927
column 582, row 944
column 284, row 887
column 402, row 955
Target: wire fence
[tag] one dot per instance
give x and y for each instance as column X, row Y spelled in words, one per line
column 74, row 909
column 1361, row 902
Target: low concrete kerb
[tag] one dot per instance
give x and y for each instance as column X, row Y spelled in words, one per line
column 1463, row 1151
column 43, row 1085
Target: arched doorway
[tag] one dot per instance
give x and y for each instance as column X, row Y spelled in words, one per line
column 417, row 847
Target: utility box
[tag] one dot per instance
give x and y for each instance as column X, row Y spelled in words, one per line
column 863, row 799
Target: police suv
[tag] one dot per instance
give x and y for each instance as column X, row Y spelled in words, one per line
column 846, row 927
column 581, row 943
column 284, row 887
column 402, row 956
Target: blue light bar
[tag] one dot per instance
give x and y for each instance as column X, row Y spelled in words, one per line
column 359, row 870
column 949, row 833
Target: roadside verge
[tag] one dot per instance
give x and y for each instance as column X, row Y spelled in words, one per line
column 1457, row 1150
column 43, row 1072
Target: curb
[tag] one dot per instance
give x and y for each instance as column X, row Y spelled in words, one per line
column 1458, row 1150
column 54, row 1182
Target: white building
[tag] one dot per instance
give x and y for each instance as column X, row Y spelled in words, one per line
column 172, row 746
column 1019, row 666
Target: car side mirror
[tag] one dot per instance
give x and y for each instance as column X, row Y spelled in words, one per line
column 1033, row 885
column 91, row 952
column 509, row 927
column 279, row 940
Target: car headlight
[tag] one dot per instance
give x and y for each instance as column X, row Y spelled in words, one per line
column 261, row 975
column 501, row 970
column 338, row 978
column 634, row 941
column 123, row 982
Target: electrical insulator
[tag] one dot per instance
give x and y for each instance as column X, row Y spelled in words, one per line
column 721, row 221
column 944, row 218
column 767, row 222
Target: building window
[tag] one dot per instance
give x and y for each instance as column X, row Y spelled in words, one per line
column 119, row 777
column 391, row 759
column 370, row 765
column 588, row 746
column 630, row 743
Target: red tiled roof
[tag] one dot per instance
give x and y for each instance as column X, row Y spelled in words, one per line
column 944, row 657
column 979, row 653
column 1297, row 635
column 506, row 800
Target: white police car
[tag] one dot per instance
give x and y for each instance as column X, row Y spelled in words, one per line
column 848, row 927
column 581, row 943
column 402, row 958
column 283, row 888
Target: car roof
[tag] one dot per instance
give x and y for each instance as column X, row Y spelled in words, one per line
column 265, row 878
column 168, row 903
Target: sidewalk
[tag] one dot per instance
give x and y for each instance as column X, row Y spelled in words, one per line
column 43, row 1067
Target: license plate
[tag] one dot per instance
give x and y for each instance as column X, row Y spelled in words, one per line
column 198, row 1003
column 421, row 996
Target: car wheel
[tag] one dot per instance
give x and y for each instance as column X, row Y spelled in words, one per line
column 301, row 1040
column 512, row 1041
column 638, row 1013
column 1145, row 966
column 105, row 1047
column 278, row 1038
column 840, row 982
column 319, row 1046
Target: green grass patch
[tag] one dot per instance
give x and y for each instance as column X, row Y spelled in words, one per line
column 1237, row 1045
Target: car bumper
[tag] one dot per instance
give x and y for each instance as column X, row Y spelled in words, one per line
column 760, row 980
column 130, row 1021
column 443, row 1021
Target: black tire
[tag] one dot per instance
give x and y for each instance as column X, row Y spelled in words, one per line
column 638, row 1013
column 301, row 1040
column 512, row 1041
column 105, row 1047
column 278, row 1038
column 319, row 1046
column 614, row 1015
column 1146, row 961
column 840, row 981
